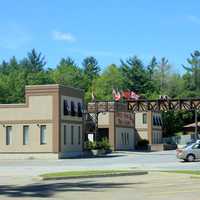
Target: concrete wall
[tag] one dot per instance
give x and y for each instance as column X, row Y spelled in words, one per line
column 33, row 141
column 37, row 108
column 37, row 111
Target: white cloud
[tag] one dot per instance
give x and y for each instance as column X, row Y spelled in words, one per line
column 63, row 36
column 194, row 19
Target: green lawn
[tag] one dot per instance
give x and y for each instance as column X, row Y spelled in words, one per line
column 83, row 173
column 192, row 172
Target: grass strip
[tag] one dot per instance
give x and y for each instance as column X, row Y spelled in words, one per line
column 192, row 172
column 76, row 174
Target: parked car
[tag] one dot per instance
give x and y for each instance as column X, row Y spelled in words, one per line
column 190, row 152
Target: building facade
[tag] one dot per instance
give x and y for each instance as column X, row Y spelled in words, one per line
column 48, row 125
column 148, row 125
column 117, row 125
column 123, row 128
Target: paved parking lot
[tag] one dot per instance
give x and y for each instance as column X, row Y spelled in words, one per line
column 165, row 160
column 17, row 178
column 154, row 186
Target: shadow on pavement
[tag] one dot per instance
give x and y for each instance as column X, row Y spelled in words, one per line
column 48, row 190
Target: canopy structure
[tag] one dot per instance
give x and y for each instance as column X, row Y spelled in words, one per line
column 143, row 105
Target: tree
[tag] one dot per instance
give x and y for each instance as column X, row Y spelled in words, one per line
column 151, row 67
column 68, row 73
column 193, row 71
column 91, row 67
column 134, row 75
column 162, row 75
column 103, row 85
column 34, row 62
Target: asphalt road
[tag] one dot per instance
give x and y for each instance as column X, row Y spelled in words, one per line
column 154, row 186
column 165, row 160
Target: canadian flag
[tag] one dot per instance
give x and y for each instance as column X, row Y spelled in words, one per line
column 133, row 95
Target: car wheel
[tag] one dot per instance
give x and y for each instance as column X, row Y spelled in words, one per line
column 190, row 158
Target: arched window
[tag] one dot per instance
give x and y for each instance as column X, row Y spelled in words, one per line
column 72, row 109
column 65, row 107
column 80, row 114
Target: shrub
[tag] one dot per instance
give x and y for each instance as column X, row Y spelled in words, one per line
column 89, row 145
column 143, row 143
column 103, row 144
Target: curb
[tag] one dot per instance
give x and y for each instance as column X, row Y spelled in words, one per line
column 96, row 176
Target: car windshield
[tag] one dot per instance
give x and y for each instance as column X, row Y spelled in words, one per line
column 188, row 145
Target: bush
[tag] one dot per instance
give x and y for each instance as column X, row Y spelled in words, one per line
column 103, row 144
column 89, row 145
column 143, row 143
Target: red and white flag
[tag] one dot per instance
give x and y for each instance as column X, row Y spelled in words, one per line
column 133, row 95
column 116, row 95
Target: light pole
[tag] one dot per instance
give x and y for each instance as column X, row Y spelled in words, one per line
column 196, row 124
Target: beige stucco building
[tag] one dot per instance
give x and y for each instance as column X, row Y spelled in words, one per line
column 117, row 125
column 48, row 125
column 123, row 128
column 148, row 125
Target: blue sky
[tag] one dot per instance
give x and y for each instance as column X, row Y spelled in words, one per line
column 109, row 30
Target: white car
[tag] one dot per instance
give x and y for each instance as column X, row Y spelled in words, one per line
column 189, row 153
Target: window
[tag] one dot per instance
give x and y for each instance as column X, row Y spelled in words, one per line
column 80, row 110
column 73, row 113
column 79, row 135
column 196, row 146
column 122, row 138
column 65, row 134
column 160, row 121
column 157, row 121
column 43, row 134
column 25, row 134
column 127, row 138
column 144, row 118
column 154, row 121
column 8, row 135
column 65, row 107
column 72, row 134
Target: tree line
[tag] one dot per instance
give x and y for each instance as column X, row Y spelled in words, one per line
column 148, row 80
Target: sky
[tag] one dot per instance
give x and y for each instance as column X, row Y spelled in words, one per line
column 109, row 30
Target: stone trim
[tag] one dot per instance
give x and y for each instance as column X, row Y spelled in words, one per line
column 47, row 121
column 71, row 122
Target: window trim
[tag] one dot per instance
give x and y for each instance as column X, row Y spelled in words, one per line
column 65, row 134
column 79, row 135
column 41, row 138
column 8, row 139
column 144, row 118
column 72, row 134
column 24, row 140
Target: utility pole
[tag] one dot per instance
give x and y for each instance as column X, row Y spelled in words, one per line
column 196, row 124
column 96, row 118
